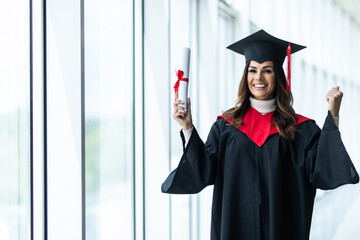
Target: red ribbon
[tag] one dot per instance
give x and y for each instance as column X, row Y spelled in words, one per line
column 179, row 75
column 288, row 85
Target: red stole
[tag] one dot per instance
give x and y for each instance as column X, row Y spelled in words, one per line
column 259, row 127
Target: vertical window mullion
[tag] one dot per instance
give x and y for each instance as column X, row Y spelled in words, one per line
column 38, row 153
column 138, row 150
column 83, row 166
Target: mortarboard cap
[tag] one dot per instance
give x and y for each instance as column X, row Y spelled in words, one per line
column 261, row 46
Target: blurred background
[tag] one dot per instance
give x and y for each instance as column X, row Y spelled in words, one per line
column 86, row 89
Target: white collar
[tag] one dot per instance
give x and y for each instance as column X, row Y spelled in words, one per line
column 263, row 106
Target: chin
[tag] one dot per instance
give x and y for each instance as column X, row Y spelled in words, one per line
column 262, row 97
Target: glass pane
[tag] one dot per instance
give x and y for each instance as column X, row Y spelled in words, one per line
column 14, row 121
column 156, row 116
column 63, row 119
column 227, row 88
column 109, row 122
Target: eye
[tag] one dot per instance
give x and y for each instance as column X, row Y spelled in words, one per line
column 252, row 70
column 268, row 71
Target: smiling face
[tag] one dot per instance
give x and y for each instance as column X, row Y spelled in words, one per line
column 261, row 80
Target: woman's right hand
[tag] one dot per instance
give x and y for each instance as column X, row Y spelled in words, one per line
column 183, row 118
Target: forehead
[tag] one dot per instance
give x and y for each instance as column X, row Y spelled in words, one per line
column 261, row 65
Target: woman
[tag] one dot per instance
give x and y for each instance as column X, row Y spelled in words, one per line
column 264, row 161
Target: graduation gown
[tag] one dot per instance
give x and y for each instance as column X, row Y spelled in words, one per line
column 264, row 185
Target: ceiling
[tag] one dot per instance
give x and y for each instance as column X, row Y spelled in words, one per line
column 352, row 7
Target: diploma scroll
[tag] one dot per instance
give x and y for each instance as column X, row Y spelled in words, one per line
column 181, row 86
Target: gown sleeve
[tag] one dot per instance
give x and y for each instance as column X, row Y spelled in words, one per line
column 328, row 163
column 197, row 166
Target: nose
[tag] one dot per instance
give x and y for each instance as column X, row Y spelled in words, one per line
column 258, row 75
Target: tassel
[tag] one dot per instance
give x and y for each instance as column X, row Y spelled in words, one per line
column 288, row 86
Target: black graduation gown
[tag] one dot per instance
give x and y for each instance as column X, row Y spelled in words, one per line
column 262, row 192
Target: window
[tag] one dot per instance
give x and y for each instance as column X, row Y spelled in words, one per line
column 109, row 119
column 14, row 121
column 227, row 84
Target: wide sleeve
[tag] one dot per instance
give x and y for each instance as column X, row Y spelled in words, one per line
column 197, row 167
column 328, row 163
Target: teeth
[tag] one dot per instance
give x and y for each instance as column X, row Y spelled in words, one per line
column 259, row 85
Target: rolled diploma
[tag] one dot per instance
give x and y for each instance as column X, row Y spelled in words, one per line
column 183, row 86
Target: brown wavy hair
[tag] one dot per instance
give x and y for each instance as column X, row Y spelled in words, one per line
column 284, row 116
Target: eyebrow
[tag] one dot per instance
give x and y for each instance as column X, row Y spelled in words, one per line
column 262, row 68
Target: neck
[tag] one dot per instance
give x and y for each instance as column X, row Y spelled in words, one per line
column 263, row 106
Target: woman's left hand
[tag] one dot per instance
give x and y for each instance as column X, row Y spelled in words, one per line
column 333, row 98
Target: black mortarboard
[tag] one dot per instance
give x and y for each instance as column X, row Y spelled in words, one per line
column 261, row 46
